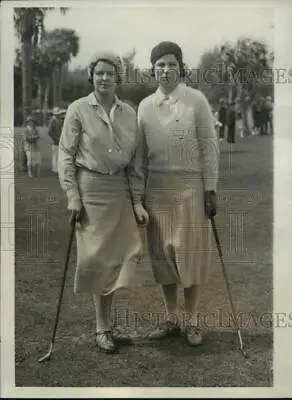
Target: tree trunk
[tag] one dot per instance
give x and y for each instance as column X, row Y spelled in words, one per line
column 46, row 102
column 55, row 90
column 26, row 79
column 40, row 99
column 60, row 85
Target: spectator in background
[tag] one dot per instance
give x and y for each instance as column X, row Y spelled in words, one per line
column 23, row 155
column 31, row 146
column 54, row 131
column 231, row 122
column 268, row 123
column 217, row 123
column 255, row 117
column 222, row 115
column 259, row 115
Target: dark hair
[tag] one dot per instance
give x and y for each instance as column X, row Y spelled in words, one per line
column 93, row 64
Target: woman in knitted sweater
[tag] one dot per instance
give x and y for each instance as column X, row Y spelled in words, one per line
column 178, row 158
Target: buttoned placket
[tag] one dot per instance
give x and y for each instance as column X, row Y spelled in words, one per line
column 171, row 112
column 111, row 122
column 109, row 119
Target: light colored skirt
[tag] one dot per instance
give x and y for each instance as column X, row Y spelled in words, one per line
column 108, row 241
column 178, row 234
column 33, row 157
column 55, row 150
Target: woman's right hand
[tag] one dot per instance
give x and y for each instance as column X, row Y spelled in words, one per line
column 141, row 214
column 77, row 212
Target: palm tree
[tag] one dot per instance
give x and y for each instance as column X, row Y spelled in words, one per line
column 65, row 45
column 29, row 26
column 54, row 53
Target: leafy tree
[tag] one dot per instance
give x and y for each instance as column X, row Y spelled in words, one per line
column 209, row 77
column 76, row 85
column 245, row 63
column 237, row 72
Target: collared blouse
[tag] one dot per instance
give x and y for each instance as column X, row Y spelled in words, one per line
column 97, row 142
column 178, row 135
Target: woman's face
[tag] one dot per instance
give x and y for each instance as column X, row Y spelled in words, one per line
column 104, row 78
column 167, row 70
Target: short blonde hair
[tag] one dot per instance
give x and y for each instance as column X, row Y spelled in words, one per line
column 110, row 58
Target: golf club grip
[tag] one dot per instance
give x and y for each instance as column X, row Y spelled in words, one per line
column 64, row 279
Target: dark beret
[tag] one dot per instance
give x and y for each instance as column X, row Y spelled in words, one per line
column 164, row 48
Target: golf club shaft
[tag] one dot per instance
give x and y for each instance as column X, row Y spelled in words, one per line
column 63, row 280
column 226, row 280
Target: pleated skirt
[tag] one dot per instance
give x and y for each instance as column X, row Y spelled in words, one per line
column 108, row 241
column 178, row 234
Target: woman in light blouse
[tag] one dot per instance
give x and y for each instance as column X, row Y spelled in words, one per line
column 96, row 149
column 178, row 156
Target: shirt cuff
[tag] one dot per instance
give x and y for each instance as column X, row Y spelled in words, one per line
column 74, row 200
column 137, row 199
column 210, row 185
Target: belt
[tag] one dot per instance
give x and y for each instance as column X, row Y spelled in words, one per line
column 79, row 167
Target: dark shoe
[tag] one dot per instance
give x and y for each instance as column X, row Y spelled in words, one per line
column 164, row 330
column 105, row 342
column 193, row 336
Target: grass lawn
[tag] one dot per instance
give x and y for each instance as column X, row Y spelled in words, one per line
column 244, row 222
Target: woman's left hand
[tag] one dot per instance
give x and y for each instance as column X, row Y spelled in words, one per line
column 141, row 214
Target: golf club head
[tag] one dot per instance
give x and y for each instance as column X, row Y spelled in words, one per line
column 243, row 353
column 241, row 344
column 46, row 357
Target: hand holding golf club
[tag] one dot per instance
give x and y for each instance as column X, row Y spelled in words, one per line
column 210, row 203
column 141, row 214
column 77, row 212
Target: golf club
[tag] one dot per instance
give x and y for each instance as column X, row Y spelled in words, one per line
column 227, row 285
column 48, row 355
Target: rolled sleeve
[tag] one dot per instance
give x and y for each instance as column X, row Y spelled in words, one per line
column 208, row 144
column 68, row 147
